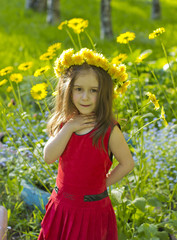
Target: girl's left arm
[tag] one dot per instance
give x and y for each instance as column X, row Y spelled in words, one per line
column 120, row 150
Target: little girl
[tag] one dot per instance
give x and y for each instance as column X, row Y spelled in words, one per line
column 84, row 136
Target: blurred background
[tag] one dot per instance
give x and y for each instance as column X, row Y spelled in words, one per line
column 25, row 32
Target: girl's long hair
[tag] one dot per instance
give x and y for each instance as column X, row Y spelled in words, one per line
column 64, row 108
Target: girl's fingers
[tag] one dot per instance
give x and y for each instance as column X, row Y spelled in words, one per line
column 90, row 121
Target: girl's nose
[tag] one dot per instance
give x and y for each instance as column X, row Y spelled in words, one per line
column 85, row 95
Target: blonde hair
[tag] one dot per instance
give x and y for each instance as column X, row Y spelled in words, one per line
column 65, row 109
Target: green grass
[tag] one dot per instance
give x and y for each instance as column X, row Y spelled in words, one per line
column 24, row 34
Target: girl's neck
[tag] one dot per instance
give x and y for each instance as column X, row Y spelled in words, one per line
column 84, row 131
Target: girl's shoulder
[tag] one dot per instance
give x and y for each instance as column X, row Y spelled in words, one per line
column 115, row 123
column 110, row 129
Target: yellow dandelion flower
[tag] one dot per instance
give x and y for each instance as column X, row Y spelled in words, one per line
column 163, row 116
column 88, row 55
column 122, row 68
column 77, row 59
column 118, row 72
column 78, row 24
column 9, row 89
column 45, row 85
column 25, row 66
column 123, row 77
column 57, row 69
column 141, row 57
column 66, row 58
column 123, row 88
column 47, row 56
column 126, row 37
column 101, row 61
column 38, row 91
column 55, row 93
column 152, row 98
column 156, row 33
column 60, row 27
column 6, row 70
column 3, row 82
column 41, row 71
column 16, row 77
column 119, row 59
column 54, row 47
column 112, row 70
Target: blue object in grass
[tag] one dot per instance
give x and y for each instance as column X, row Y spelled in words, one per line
column 34, row 196
column 126, row 136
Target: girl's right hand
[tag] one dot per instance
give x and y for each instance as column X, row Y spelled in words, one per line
column 80, row 122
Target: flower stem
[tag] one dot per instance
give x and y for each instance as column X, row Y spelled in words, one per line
column 19, row 97
column 49, row 82
column 139, row 83
column 135, row 113
column 90, row 39
column 47, row 106
column 72, row 40
column 79, row 40
column 143, row 127
column 16, row 98
column 40, row 108
column 153, row 73
column 171, row 72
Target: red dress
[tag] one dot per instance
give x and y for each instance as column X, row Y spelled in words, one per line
column 70, row 213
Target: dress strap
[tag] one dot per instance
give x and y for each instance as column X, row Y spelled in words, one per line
column 107, row 137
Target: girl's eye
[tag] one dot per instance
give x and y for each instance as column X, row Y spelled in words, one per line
column 78, row 89
column 94, row 90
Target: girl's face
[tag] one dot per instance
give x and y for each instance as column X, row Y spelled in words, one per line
column 85, row 91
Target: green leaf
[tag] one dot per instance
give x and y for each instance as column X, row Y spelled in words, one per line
column 150, row 230
column 173, row 223
column 147, row 51
column 122, row 236
column 117, row 194
column 162, row 235
column 135, row 117
column 8, row 214
column 140, row 203
column 162, row 197
column 147, row 115
column 153, row 201
column 138, row 215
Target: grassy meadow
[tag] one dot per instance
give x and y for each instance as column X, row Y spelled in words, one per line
column 145, row 201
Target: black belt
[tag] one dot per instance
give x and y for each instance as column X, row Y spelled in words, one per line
column 87, row 198
column 96, row 197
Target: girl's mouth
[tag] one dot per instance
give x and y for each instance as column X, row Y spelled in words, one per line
column 85, row 105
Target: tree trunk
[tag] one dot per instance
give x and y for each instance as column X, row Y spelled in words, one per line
column 53, row 13
column 38, row 5
column 156, row 11
column 106, row 25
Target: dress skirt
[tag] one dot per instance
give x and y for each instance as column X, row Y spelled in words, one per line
column 69, row 217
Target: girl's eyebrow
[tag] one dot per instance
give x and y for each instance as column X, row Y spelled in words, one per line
column 81, row 86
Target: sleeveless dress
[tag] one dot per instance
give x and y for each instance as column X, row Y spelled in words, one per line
column 79, row 207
